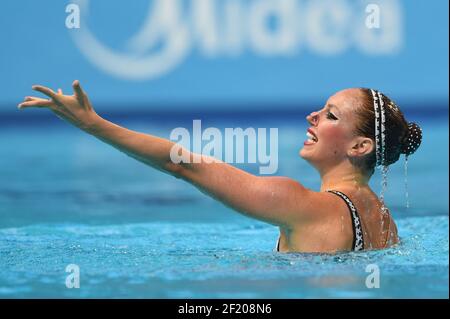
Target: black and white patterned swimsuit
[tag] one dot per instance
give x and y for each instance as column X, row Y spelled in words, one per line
column 358, row 238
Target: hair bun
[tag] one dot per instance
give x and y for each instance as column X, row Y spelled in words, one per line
column 412, row 140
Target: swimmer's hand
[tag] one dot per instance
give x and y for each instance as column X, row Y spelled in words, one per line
column 75, row 108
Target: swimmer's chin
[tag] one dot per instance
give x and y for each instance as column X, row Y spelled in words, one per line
column 305, row 156
column 302, row 153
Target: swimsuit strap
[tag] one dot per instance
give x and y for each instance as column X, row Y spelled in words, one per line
column 358, row 239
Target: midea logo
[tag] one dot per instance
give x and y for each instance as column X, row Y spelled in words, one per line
column 229, row 28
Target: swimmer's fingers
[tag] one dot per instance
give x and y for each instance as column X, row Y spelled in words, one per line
column 53, row 102
column 81, row 96
column 45, row 90
column 34, row 98
column 79, row 93
column 31, row 101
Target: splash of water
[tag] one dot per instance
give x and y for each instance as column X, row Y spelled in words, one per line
column 384, row 173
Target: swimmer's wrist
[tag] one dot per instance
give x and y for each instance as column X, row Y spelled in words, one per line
column 94, row 124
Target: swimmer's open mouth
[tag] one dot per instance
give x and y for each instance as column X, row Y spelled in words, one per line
column 311, row 136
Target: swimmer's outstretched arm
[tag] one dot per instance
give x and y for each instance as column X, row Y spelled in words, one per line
column 278, row 200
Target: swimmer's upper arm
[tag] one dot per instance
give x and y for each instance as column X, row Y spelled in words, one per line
column 277, row 200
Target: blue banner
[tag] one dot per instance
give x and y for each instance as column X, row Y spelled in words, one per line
column 211, row 54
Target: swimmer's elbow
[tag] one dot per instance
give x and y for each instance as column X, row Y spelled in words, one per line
column 176, row 170
column 181, row 170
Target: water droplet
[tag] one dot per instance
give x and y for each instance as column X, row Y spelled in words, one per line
column 406, row 182
column 384, row 173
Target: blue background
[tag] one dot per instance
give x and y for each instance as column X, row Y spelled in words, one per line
column 37, row 47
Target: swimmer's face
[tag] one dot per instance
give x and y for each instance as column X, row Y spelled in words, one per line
column 332, row 130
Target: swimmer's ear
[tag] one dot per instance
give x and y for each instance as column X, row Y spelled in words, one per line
column 361, row 146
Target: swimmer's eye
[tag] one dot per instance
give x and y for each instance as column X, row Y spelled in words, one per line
column 331, row 116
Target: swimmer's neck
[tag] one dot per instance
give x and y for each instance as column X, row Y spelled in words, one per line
column 339, row 177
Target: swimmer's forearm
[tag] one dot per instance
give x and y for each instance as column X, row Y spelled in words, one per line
column 151, row 150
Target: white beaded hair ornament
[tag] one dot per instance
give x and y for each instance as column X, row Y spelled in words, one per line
column 412, row 140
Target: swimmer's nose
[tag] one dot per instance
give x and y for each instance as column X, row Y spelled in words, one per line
column 313, row 118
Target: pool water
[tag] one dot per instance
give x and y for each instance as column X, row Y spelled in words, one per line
column 66, row 198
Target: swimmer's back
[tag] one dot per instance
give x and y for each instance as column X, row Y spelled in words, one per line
column 334, row 230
